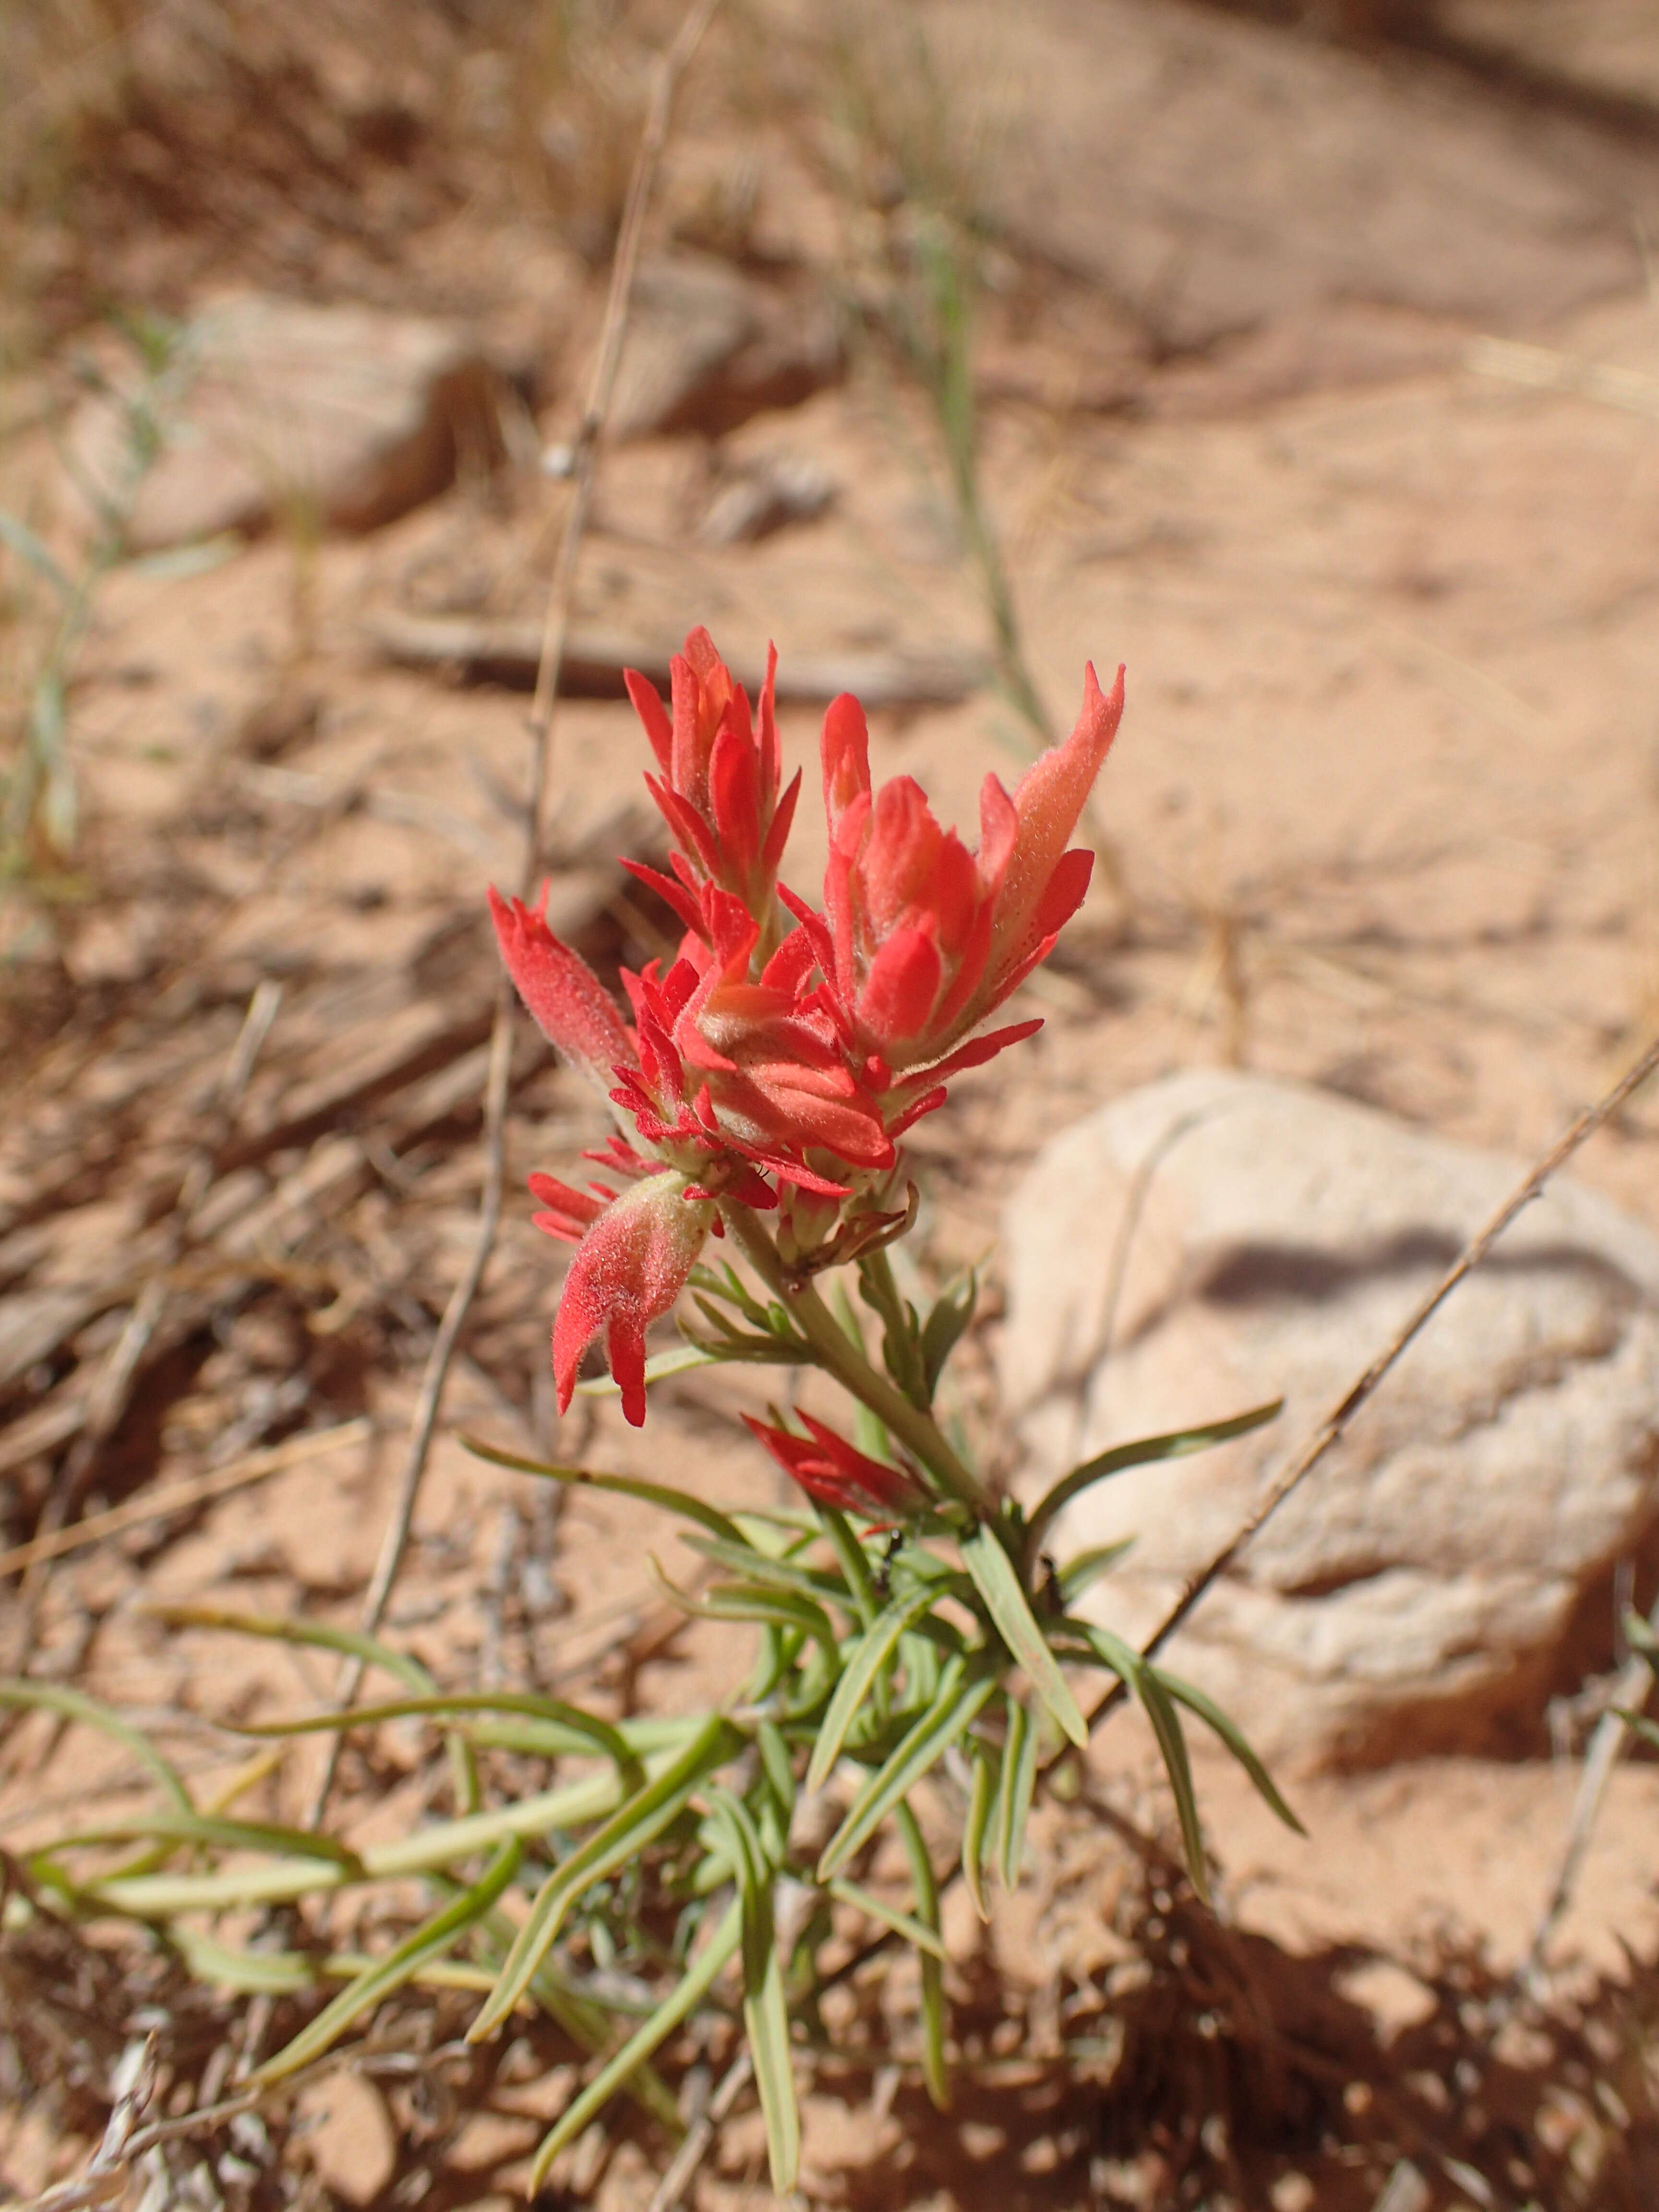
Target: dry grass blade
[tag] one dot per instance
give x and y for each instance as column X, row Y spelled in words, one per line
column 181, row 1497
column 1331, row 1430
column 555, row 633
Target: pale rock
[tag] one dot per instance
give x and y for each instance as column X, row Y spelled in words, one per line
column 707, row 348
column 348, row 2136
column 1213, row 1241
column 341, row 417
column 1218, row 178
column 764, row 496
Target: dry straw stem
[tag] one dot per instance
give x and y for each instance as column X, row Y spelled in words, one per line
column 670, row 2192
column 1331, row 1430
column 110, row 2174
column 183, row 1497
column 555, row 629
column 113, row 1386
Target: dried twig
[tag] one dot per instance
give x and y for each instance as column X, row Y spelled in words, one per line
column 111, row 1388
column 555, row 634
column 182, row 1497
column 670, row 2189
column 1336, row 1422
column 105, row 2179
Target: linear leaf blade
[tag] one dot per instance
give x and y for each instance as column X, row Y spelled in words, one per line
column 961, row 1697
column 661, row 1494
column 1232, row 1735
column 646, row 2038
column 982, row 1793
column 1140, row 1453
column 76, row 1705
column 1020, row 1766
column 934, row 2071
column 865, row 1662
column 998, row 1583
column 877, row 1909
column 427, row 1942
column 629, row 1830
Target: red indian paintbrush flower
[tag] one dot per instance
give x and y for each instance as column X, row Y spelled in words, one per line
column 924, row 938
column 719, row 788
column 770, row 1060
column 836, row 1473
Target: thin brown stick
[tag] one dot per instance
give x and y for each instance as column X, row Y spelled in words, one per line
column 584, row 446
column 556, row 629
column 670, row 2192
column 112, row 1387
column 1332, row 1428
column 181, row 1497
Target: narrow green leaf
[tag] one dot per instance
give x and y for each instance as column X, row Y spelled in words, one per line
column 1143, row 1450
column 221, row 1833
column 629, row 1830
column 1166, row 1727
column 934, row 2071
column 282, row 1974
column 962, row 1694
column 48, row 715
column 669, row 1500
column 398, row 1966
column 889, row 1916
column 1019, row 1765
column 250, row 1973
column 765, row 2013
column 199, row 559
column 900, row 1339
column 1155, row 1695
column 23, row 542
column 1233, row 1736
column 865, row 1661
column 758, row 1566
column 577, row 1731
column 777, row 1765
column 981, row 1803
column 423, row 1851
column 849, row 1557
column 751, row 1602
column 640, row 2044
column 998, row 1583
column 1082, row 1573
column 75, row 1705
column 923, row 1663
column 950, row 1314
column 317, row 1634
column 353, row 1645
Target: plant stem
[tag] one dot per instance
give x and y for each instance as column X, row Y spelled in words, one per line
column 833, row 1350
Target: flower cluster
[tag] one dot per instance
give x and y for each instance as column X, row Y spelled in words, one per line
column 786, row 1050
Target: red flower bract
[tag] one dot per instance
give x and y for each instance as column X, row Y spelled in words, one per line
column 784, row 1050
column 836, row 1473
column 925, row 938
column 719, row 788
column 631, row 1265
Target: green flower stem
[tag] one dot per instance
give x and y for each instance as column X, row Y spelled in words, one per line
column 838, row 1356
